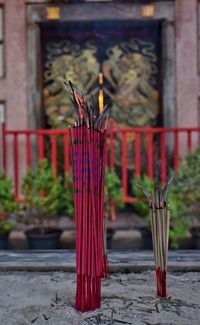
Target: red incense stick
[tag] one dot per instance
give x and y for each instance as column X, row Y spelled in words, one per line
column 88, row 137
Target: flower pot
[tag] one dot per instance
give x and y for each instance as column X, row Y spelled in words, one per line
column 146, row 238
column 109, row 237
column 47, row 240
column 196, row 240
column 4, row 244
column 196, row 237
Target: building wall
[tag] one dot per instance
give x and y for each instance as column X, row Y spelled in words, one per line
column 20, row 88
column 13, row 86
column 17, row 91
column 100, row 11
column 187, row 76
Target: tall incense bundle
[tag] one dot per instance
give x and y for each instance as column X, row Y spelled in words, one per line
column 88, row 149
column 160, row 220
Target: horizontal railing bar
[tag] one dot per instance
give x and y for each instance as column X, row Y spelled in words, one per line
column 37, row 132
column 116, row 130
column 154, row 130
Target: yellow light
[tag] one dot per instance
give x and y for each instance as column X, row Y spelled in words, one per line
column 148, row 10
column 100, row 78
column 53, row 13
column 101, row 99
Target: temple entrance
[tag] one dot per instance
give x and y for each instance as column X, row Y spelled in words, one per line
column 118, row 62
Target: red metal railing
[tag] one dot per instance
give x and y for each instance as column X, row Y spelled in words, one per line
column 34, row 145
column 170, row 144
column 131, row 151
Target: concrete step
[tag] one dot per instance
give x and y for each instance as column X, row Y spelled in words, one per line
column 126, row 261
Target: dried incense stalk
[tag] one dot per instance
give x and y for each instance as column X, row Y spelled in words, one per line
column 88, row 151
column 160, row 219
column 167, row 234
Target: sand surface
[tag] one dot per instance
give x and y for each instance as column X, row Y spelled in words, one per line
column 48, row 298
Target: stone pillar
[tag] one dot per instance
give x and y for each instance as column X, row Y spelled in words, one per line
column 15, row 64
column 13, row 87
column 186, row 63
column 187, row 79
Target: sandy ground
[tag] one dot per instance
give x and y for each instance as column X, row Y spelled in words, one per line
column 48, row 298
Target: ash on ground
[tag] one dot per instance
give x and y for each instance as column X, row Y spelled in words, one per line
column 48, row 298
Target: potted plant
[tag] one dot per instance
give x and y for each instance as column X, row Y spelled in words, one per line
column 188, row 189
column 44, row 199
column 68, row 202
column 113, row 198
column 179, row 225
column 8, row 205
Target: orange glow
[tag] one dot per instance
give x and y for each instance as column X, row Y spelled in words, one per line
column 53, row 13
column 101, row 97
column 101, row 100
column 100, row 78
column 148, row 10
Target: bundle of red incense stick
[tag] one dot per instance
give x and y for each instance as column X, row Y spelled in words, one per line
column 160, row 220
column 88, row 153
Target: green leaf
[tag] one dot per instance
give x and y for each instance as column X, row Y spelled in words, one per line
column 113, row 189
column 45, row 195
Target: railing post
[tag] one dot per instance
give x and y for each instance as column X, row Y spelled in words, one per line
column 176, row 150
column 54, row 153
column 112, row 153
column 28, row 150
column 163, row 157
column 41, row 146
column 124, row 166
column 150, row 154
column 137, row 154
column 189, row 141
column 66, row 152
column 2, row 141
column 16, row 165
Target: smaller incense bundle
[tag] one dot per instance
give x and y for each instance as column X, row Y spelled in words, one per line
column 160, row 219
